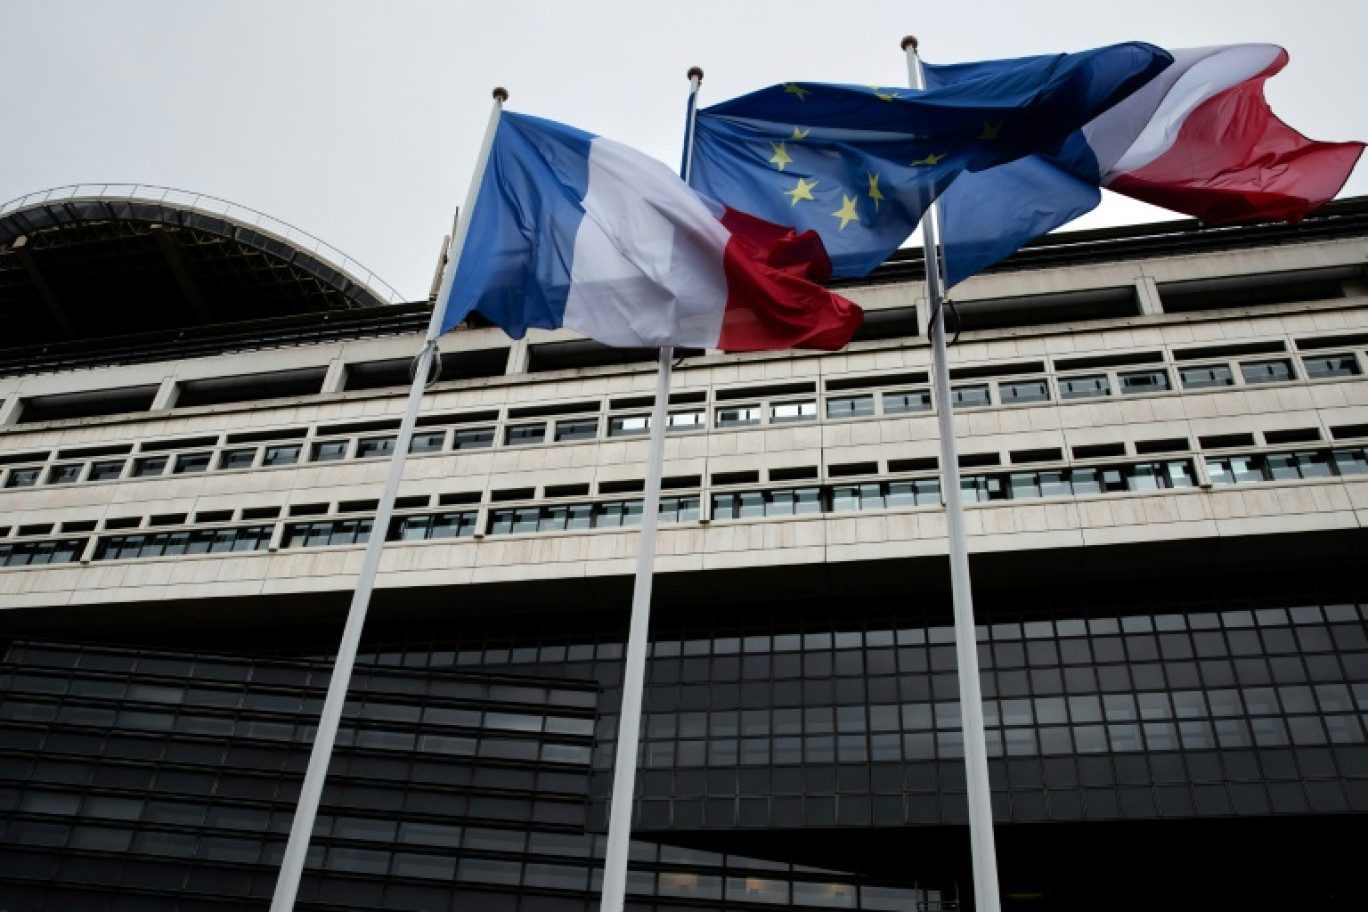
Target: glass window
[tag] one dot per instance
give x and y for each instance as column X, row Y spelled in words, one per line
column 793, row 411
column 473, row 439
column 485, row 870
column 628, row 425
column 427, row 442
column 190, row 463
column 237, row 459
column 850, row 407
column 358, row 861
column 970, row 396
column 1351, row 461
column 620, row 513
column 758, row 890
column 982, row 488
column 149, row 466
column 1292, row 466
column 22, row 478
column 824, row 895
column 329, row 450
column 525, row 434
column 907, row 401
column 856, row 497
column 64, row 474
column 21, row 554
column 1267, row 371
column 1236, row 469
column 577, row 429
column 697, row 886
column 372, row 447
column 504, row 522
column 687, row 420
column 281, row 455
column 755, row 504
column 311, row 535
column 441, row 525
column 1323, row 366
column 1151, row 381
column 1022, row 391
column 104, row 471
column 1206, row 375
column 1084, row 387
column 678, row 509
column 738, row 416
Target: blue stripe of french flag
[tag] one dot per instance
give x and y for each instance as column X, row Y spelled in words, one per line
column 577, row 231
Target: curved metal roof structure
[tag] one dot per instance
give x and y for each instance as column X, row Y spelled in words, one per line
column 98, row 261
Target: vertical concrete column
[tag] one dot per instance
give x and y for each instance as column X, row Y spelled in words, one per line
column 166, row 395
column 519, row 357
column 278, row 533
column 10, row 410
column 1147, row 294
column 923, row 315
column 335, row 380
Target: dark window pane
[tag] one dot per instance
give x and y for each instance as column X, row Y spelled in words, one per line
column 1084, row 387
column 281, row 455
column 1266, row 371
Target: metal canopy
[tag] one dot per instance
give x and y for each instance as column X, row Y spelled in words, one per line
column 83, row 263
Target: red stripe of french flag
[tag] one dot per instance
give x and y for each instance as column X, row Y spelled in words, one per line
column 1231, row 159
column 774, row 296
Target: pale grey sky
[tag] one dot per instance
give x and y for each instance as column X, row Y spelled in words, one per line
column 359, row 122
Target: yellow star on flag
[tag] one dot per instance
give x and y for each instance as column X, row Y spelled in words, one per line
column 990, row 130
column 874, row 193
column 883, row 96
column 780, row 156
column 847, row 211
column 931, row 159
column 791, row 88
column 799, row 133
column 803, row 191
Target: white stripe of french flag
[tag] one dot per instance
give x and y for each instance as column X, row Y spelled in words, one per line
column 657, row 264
column 1201, row 139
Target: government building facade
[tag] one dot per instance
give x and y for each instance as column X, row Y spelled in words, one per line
column 1163, row 433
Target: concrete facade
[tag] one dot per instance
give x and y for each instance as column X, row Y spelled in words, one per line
column 796, row 435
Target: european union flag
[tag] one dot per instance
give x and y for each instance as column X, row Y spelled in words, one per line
column 1198, row 139
column 860, row 164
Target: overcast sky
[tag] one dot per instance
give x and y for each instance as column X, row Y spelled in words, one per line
column 359, row 122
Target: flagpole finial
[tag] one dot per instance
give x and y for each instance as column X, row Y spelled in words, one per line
column 500, row 94
column 910, row 41
column 695, row 73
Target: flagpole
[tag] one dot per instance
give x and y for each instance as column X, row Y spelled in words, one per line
column 634, row 669
column 984, row 853
column 297, row 848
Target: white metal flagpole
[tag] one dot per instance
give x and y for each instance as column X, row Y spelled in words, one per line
column 986, row 897
column 634, row 669
column 297, row 848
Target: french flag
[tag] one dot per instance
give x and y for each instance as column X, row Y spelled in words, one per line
column 577, row 231
column 1200, row 139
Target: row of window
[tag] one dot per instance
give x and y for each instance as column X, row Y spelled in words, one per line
column 728, row 505
column 60, row 802
column 1077, row 709
column 728, row 648
column 446, row 867
column 1082, row 481
column 1302, row 464
column 1044, row 740
column 561, row 430
column 189, row 723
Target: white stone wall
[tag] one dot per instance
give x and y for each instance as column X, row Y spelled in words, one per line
column 1196, row 514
